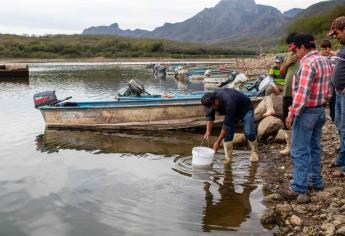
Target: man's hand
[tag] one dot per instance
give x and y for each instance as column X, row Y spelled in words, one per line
column 291, row 60
column 216, row 146
column 288, row 122
column 276, row 90
column 207, row 135
column 344, row 91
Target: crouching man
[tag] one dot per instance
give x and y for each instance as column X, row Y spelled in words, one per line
column 235, row 106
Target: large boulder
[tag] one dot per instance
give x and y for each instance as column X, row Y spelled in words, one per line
column 262, row 108
column 269, row 127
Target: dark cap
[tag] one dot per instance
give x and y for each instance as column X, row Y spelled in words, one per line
column 338, row 23
column 207, row 101
column 279, row 58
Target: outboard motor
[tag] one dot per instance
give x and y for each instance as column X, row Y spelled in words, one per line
column 47, row 98
column 135, row 88
column 231, row 78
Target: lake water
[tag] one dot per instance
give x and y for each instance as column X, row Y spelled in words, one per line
column 60, row 182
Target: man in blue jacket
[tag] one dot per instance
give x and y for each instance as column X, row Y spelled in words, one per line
column 235, row 106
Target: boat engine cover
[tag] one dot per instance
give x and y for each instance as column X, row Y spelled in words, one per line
column 45, row 98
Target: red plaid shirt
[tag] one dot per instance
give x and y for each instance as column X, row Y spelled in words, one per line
column 311, row 85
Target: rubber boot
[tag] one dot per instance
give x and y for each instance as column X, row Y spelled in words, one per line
column 286, row 150
column 254, row 151
column 228, row 149
column 269, row 106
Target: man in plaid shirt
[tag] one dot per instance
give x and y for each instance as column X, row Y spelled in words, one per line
column 311, row 90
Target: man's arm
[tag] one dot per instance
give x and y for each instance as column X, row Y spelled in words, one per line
column 306, row 75
column 283, row 69
column 222, row 135
column 209, row 126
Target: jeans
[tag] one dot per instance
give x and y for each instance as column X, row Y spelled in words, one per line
column 306, row 149
column 340, row 123
column 249, row 130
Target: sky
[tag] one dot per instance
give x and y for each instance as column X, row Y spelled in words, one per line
column 40, row 17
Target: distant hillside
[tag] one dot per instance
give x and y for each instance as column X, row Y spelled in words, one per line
column 293, row 12
column 317, row 18
column 229, row 19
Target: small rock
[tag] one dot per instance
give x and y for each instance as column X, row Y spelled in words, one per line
column 340, row 218
column 328, row 228
column 303, row 198
column 299, row 210
column 273, row 198
column 341, row 231
column 323, row 196
column 296, row 221
column 268, row 218
column 313, row 208
column 284, row 210
column 332, row 210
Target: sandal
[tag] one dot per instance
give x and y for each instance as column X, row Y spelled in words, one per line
column 338, row 172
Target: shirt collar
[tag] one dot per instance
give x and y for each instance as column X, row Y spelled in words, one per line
column 309, row 54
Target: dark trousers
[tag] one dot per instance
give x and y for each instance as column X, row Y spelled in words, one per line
column 332, row 105
column 287, row 102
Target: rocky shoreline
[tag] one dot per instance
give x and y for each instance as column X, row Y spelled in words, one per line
column 318, row 212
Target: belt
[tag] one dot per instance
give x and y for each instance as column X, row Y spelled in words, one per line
column 319, row 106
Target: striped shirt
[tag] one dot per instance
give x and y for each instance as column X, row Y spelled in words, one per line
column 312, row 83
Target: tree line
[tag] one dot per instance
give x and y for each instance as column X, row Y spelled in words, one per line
column 84, row 46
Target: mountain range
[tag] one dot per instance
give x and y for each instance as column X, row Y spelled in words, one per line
column 229, row 20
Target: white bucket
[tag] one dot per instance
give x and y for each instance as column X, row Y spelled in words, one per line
column 202, row 156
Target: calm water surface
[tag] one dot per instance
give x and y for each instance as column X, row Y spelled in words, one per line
column 60, row 182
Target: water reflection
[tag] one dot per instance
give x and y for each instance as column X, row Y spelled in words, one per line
column 227, row 190
column 162, row 143
column 227, row 207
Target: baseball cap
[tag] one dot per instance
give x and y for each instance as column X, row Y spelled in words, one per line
column 338, row 23
column 292, row 47
column 279, row 58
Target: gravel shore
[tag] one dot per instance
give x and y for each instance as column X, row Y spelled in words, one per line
column 318, row 212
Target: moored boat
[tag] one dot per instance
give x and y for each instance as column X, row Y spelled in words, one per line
column 14, row 71
column 130, row 113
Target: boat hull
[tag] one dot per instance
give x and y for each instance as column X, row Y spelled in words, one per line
column 148, row 117
column 140, row 114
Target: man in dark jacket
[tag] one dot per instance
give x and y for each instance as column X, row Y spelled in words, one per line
column 235, row 106
column 338, row 31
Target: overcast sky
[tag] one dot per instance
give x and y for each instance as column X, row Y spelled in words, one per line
column 72, row 16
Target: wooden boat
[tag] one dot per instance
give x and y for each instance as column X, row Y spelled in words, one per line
column 130, row 113
column 14, row 71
